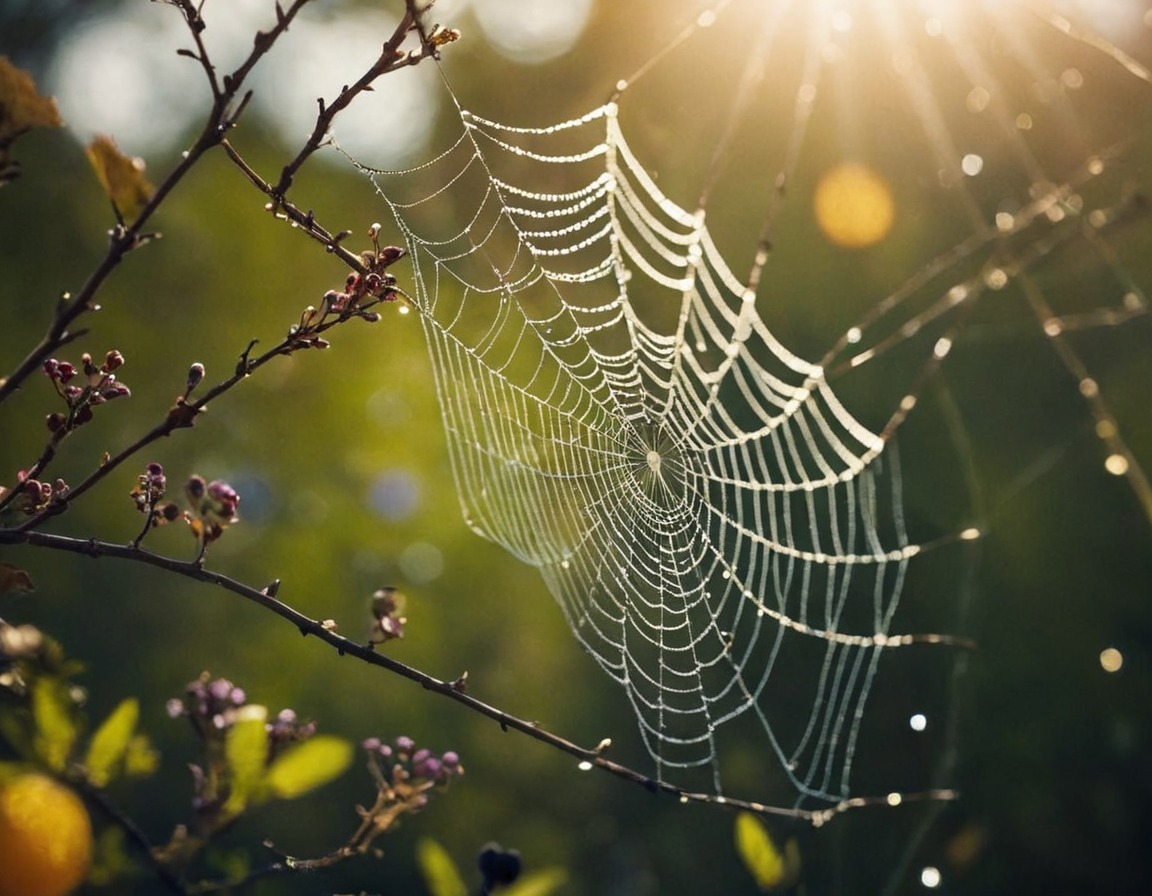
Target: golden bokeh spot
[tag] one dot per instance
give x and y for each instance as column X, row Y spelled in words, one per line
column 853, row 206
column 1111, row 659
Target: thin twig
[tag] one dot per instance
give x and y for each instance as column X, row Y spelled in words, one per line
column 183, row 414
column 134, row 834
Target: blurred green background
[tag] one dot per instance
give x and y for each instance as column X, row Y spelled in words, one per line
column 342, row 467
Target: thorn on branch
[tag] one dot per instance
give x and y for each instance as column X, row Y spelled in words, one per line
column 272, row 588
column 244, row 365
column 228, row 121
column 334, row 243
column 182, row 415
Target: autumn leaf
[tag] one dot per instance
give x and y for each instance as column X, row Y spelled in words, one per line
column 121, row 176
column 14, row 580
column 21, row 109
column 771, row 867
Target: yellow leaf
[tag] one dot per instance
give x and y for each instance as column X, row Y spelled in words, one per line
column 121, row 177
column 246, row 749
column 769, row 866
column 538, row 883
column 439, row 871
column 308, row 765
column 21, row 109
column 110, row 742
column 53, row 712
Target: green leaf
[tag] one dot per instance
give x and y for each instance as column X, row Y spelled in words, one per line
column 538, row 883
column 440, row 873
column 53, row 712
column 760, row 856
column 140, row 760
column 308, row 765
column 110, row 742
column 246, row 749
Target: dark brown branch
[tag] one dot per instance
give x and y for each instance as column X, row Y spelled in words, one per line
column 588, row 758
column 183, row 414
column 124, row 239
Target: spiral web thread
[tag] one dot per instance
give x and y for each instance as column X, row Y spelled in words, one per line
column 705, row 510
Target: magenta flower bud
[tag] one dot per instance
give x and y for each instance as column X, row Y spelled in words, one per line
column 113, row 361
column 390, row 255
column 113, row 389
column 337, row 301
column 429, row 768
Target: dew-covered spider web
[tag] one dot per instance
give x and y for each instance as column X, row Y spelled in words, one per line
column 723, row 530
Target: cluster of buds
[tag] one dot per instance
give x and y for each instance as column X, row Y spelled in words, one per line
column 213, row 705
column 400, row 765
column 404, row 775
column 286, row 728
column 33, row 495
column 99, row 385
column 211, row 505
column 376, row 283
column 387, row 616
column 148, row 493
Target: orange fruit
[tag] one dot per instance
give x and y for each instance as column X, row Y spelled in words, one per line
column 45, row 837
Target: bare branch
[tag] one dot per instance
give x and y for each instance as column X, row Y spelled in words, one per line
column 452, row 689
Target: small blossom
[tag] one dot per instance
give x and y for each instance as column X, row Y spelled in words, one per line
column 212, row 506
column 286, row 729
column 387, row 613
column 337, row 301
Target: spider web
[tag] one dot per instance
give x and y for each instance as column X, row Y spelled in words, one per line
column 724, row 536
